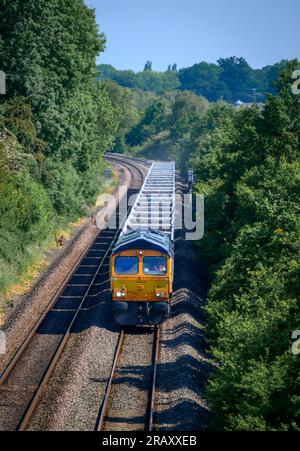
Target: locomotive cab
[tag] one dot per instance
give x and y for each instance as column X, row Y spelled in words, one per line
column 141, row 278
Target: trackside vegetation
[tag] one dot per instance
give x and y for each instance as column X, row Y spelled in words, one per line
column 250, row 174
column 56, row 122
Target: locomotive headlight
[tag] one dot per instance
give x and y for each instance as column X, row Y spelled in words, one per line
column 160, row 294
column 120, row 294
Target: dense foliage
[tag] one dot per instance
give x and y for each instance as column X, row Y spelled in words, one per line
column 56, row 121
column 231, row 79
column 247, row 165
column 164, row 131
column 129, row 106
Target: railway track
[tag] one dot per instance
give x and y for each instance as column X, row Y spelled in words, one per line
column 139, row 174
column 25, row 378
column 142, row 399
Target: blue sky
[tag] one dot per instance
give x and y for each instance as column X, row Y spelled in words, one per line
column 190, row 31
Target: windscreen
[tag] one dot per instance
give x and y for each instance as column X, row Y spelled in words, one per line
column 156, row 266
column 127, row 265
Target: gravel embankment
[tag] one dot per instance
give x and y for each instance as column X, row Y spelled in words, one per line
column 184, row 361
column 131, row 384
column 73, row 396
column 27, row 309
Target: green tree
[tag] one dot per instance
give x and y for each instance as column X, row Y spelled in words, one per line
column 238, row 77
column 48, row 51
column 204, row 80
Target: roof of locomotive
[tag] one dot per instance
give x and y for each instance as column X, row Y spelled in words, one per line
column 145, row 239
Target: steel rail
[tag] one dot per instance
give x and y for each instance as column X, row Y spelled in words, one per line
column 151, row 406
column 151, row 398
column 58, row 352
column 127, row 162
column 51, row 304
column 105, row 402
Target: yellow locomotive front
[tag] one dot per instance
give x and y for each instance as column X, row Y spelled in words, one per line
column 141, row 278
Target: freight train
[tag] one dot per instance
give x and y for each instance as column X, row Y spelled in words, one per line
column 142, row 261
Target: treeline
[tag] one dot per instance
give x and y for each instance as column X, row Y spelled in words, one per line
column 56, row 122
column 148, row 80
column 248, row 168
column 164, row 131
column 231, row 79
column 157, row 127
column 247, row 165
